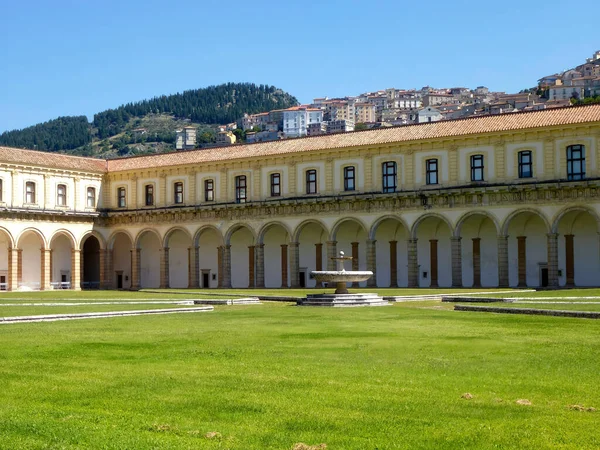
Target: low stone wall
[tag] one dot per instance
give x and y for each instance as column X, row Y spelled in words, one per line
column 530, row 311
column 469, row 299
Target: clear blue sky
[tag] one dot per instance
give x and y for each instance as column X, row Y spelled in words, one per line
column 79, row 57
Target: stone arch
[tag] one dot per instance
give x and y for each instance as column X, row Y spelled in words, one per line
column 373, row 229
column 202, row 229
column 111, row 239
column 170, row 231
column 67, row 234
column 87, row 234
column 298, row 230
column 520, row 211
column 567, row 210
column 266, row 227
column 141, row 234
column 339, row 223
column 11, row 239
column 470, row 214
column 35, row 231
column 415, row 226
column 232, row 229
column 208, row 245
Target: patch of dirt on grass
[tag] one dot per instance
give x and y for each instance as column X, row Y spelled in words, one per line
column 163, row 428
column 582, row 408
column 303, row 446
column 467, row 396
column 523, row 402
column 213, row 435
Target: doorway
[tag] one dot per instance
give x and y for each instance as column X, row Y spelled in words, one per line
column 119, row 280
column 205, row 280
column 543, row 275
column 302, row 278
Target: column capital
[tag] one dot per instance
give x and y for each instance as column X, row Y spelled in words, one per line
column 412, row 240
column 552, row 235
column 331, row 242
column 456, row 238
column 73, row 250
column 476, row 239
column 393, row 241
column 260, row 246
column 294, row 244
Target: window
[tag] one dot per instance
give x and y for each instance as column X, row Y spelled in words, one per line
column 1, row 189
column 389, row 176
column 431, row 171
column 30, row 192
column 149, row 195
column 240, row 189
column 477, row 168
column 91, row 197
column 349, row 178
column 525, row 166
column 209, row 190
column 275, row 185
column 575, row 162
column 61, row 195
column 121, row 201
column 178, row 192
column 311, row 181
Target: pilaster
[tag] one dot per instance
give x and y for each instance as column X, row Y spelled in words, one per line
column 135, row 269
column 192, row 200
column 477, row 262
column 502, row 261
column 569, row 260
column 294, row 265
column 329, row 176
column 552, row 260
column 220, row 266
column 102, row 263
column 260, row 266
column 76, row 269
column 522, row 261
column 13, row 269
column 284, row 265
column 413, row 266
column 355, row 261
column 319, row 260
column 227, row 266
column 393, row 264
column 164, row 267
column 134, row 191
column 433, row 261
column 331, row 253
column 500, row 155
column 372, row 261
column 456, row 254
column 251, row 266
column 193, row 275
column 45, row 273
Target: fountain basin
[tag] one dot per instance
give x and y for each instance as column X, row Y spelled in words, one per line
column 335, row 276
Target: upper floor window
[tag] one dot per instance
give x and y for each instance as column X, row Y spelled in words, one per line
column 349, row 178
column 390, row 176
column 121, row 199
column 209, row 190
column 240, row 189
column 477, row 168
column 575, row 162
column 30, row 192
column 91, row 197
column 275, row 185
column 149, row 195
column 311, row 181
column 1, row 190
column 61, row 195
column 178, row 192
column 525, row 164
column 431, row 171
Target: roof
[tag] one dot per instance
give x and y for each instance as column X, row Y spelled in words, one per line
column 52, row 160
column 409, row 133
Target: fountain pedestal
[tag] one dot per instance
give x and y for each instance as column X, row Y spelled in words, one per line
column 341, row 278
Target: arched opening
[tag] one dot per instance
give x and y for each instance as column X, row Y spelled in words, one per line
column 5, row 247
column 120, row 276
column 351, row 238
column 312, row 239
column 90, row 259
column 242, row 268
column 276, row 260
column 150, row 254
column 578, row 249
column 479, row 251
column 209, row 242
column 527, row 250
column 434, row 257
column 61, row 267
column 179, row 244
column 30, row 264
column 391, row 252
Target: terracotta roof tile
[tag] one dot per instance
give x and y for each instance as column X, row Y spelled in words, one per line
column 408, row 133
column 51, row 160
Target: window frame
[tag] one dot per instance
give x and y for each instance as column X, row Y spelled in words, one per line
column 121, row 197
column 389, row 180
column 241, row 189
column 311, row 182
column 61, row 198
column 349, row 181
column 430, row 172
column 477, row 169
column 149, row 194
column 178, row 192
column 211, row 182
column 275, row 179
column 522, row 165
column 30, row 189
column 1, row 189
column 92, row 197
column 571, row 175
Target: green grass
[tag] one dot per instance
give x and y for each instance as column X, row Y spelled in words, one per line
column 268, row 376
column 539, row 305
column 558, row 294
column 11, row 311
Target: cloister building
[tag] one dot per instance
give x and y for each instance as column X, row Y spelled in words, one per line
column 504, row 200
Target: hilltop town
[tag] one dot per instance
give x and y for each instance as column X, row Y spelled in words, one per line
column 392, row 107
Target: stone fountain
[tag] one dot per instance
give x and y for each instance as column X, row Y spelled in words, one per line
column 341, row 278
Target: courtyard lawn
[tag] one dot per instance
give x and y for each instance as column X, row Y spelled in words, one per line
column 586, row 306
column 269, row 376
column 548, row 295
column 34, row 310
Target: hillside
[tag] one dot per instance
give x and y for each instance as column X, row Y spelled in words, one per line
column 110, row 134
